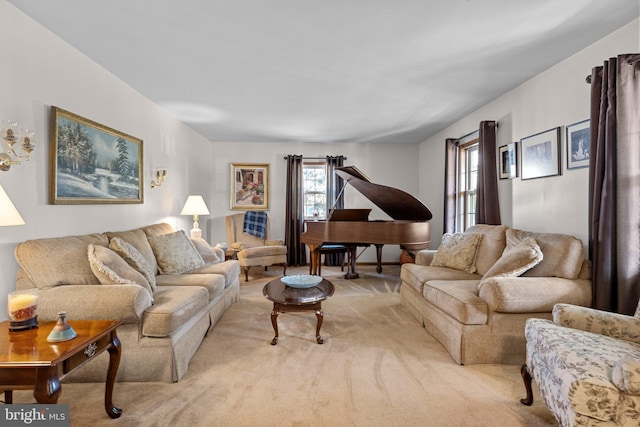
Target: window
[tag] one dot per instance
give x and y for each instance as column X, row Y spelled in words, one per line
column 468, row 184
column 314, row 190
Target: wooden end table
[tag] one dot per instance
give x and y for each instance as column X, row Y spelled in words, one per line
column 286, row 299
column 29, row 361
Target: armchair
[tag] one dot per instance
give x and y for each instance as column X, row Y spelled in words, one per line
column 253, row 250
column 586, row 363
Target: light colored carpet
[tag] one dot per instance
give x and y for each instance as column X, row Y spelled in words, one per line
column 377, row 367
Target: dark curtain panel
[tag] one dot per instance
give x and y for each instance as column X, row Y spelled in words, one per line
column 614, row 184
column 296, row 251
column 450, row 185
column 334, row 199
column 487, row 204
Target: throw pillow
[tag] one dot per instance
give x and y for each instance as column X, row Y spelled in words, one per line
column 458, row 251
column 134, row 258
column 110, row 269
column 516, row 259
column 206, row 251
column 175, row 253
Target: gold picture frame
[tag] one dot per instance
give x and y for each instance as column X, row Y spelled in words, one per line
column 91, row 163
column 250, row 186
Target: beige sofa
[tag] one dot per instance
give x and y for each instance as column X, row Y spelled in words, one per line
column 168, row 289
column 476, row 292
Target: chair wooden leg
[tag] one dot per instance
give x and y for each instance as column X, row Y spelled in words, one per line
column 526, row 377
column 246, row 273
column 284, row 272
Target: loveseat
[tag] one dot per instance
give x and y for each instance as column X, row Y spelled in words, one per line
column 475, row 293
column 168, row 290
column 586, row 363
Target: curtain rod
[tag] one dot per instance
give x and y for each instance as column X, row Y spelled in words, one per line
column 314, row 158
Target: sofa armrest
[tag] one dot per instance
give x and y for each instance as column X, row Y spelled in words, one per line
column 424, row 256
column 600, row 322
column 626, row 376
column 94, row 302
column 533, row 294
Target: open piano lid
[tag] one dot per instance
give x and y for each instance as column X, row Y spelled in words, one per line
column 398, row 204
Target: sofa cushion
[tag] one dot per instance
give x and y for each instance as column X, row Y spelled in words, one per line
column 206, row 251
column 518, row 257
column 134, row 258
column 416, row 276
column 174, row 306
column 459, row 299
column 262, row 251
column 563, row 254
column 59, row 261
column 138, row 239
column 458, row 251
column 228, row 269
column 110, row 269
column 175, row 253
column 213, row 283
column 157, row 229
column 491, row 247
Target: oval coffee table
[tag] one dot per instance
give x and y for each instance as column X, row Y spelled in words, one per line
column 287, row 299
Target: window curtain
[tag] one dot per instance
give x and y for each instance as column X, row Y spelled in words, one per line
column 487, row 204
column 450, row 185
column 614, row 184
column 334, row 199
column 296, row 250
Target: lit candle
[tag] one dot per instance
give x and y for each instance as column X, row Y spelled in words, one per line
column 22, row 306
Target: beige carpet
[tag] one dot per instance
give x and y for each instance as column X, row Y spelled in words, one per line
column 377, row 367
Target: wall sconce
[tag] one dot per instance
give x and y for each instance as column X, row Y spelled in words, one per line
column 159, row 176
column 10, row 134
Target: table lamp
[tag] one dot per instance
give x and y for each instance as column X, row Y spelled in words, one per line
column 195, row 206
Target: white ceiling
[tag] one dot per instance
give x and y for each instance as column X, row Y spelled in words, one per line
column 330, row 70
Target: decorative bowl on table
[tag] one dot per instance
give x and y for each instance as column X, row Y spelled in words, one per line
column 301, row 281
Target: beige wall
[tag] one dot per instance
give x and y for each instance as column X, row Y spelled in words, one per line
column 557, row 97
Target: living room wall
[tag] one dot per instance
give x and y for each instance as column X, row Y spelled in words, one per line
column 558, row 96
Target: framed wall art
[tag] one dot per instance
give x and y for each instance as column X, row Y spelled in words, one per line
column 508, row 161
column 578, row 144
column 249, row 186
column 540, row 154
column 91, row 163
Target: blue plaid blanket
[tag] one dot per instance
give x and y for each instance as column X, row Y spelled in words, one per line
column 255, row 224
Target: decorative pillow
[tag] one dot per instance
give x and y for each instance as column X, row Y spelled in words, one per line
column 516, row 259
column 110, row 269
column 206, row 251
column 175, row 253
column 458, row 251
column 134, row 258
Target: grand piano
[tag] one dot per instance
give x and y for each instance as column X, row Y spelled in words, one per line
column 352, row 228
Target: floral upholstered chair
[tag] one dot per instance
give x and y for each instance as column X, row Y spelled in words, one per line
column 586, row 363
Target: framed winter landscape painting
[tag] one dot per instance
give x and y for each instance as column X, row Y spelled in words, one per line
column 92, row 163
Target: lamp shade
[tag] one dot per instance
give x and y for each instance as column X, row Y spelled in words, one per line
column 8, row 213
column 195, row 205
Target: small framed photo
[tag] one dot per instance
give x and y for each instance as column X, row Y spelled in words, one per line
column 249, row 186
column 91, row 163
column 540, row 154
column 578, row 144
column 508, row 161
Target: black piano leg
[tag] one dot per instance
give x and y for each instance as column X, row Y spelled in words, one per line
column 351, row 264
column 379, row 258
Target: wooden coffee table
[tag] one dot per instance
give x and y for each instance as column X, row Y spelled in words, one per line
column 29, row 361
column 287, row 299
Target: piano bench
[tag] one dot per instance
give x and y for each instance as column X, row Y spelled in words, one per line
column 331, row 249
